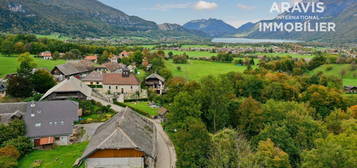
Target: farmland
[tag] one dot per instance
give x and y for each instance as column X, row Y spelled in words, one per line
column 10, row 64
column 293, row 55
column 196, row 69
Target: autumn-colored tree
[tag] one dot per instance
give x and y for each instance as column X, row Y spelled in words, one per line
column 10, row 151
column 323, row 99
column 270, row 156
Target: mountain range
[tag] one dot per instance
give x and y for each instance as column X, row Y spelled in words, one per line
column 213, row 27
column 84, row 18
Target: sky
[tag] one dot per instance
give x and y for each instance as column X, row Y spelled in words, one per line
column 234, row 12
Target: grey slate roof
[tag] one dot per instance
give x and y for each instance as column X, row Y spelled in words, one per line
column 73, row 68
column 2, row 85
column 94, row 76
column 126, row 130
column 156, row 76
column 8, row 110
column 50, row 118
column 70, row 85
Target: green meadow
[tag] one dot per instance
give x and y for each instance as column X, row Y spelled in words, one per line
column 10, row 64
column 293, row 55
column 143, row 106
column 193, row 54
column 343, row 71
column 196, row 69
column 59, row 157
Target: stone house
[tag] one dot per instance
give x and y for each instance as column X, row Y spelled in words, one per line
column 120, row 83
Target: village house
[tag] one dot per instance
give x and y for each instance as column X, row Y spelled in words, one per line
column 124, row 54
column 156, row 83
column 12, row 111
column 113, row 67
column 47, row 122
column 2, row 88
column 91, row 58
column 351, row 89
column 47, row 55
column 50, row 122
column 114, row 58
column 121, row 83
column 93, row 79
column 78, row 70
column 127, row 140
column 68, row 89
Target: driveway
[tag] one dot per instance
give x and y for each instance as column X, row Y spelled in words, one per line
column 166, row 157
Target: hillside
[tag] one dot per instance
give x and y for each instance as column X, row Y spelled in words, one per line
column 341, row 12
column 84, row 18
column 213, row 27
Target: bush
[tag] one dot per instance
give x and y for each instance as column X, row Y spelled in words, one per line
column 7, row 162
column 329, row 68
column 10, row 151
column 23, row 144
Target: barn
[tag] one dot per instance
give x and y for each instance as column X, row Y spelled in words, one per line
column 128, row 140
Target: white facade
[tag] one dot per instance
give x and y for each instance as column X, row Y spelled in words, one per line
column 121, row 89
column 136, row 162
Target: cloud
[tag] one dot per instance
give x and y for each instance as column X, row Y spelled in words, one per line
column 204, row 5
column 245, row 7
column 164, row 7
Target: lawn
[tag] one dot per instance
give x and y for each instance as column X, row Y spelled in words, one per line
column 284, row 55
column 59, row 157
column 10, row 64
column 143, row 106
column 193, row 53
column 349, row 79
column 196, row 69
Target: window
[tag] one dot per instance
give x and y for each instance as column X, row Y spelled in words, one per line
column 32, row 115
column 38, row 125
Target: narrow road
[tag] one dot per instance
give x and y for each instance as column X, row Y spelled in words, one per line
column 166, row 157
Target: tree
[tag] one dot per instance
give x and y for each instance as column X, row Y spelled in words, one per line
column 138, row 57
column 331, row 152
column 19, row 87
column 56, row 55
column 270, row 156
column 170, row 54
column 192, row 144
column 250, row 115
column 42, row 81
column 183, row 106
column 214, row 96
column 14, row 129
column 6, row 47
column 27, row 64
column 229, row 149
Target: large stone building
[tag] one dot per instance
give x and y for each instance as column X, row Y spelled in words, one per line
column 120, row 83
column 127, row 140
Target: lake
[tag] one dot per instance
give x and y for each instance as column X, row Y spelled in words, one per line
column 247, row 40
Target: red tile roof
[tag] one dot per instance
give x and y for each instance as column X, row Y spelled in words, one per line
column 118, row 79
column 91, row 58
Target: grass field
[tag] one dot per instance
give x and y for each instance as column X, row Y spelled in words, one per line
column 196, row 46
column 349, row 79
column 60, row 157
column 196, row 69
column 10, row 64
column 284, row 55
column 143, row 106
column 193, row 54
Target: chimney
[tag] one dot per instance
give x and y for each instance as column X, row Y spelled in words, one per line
column 126, row 73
